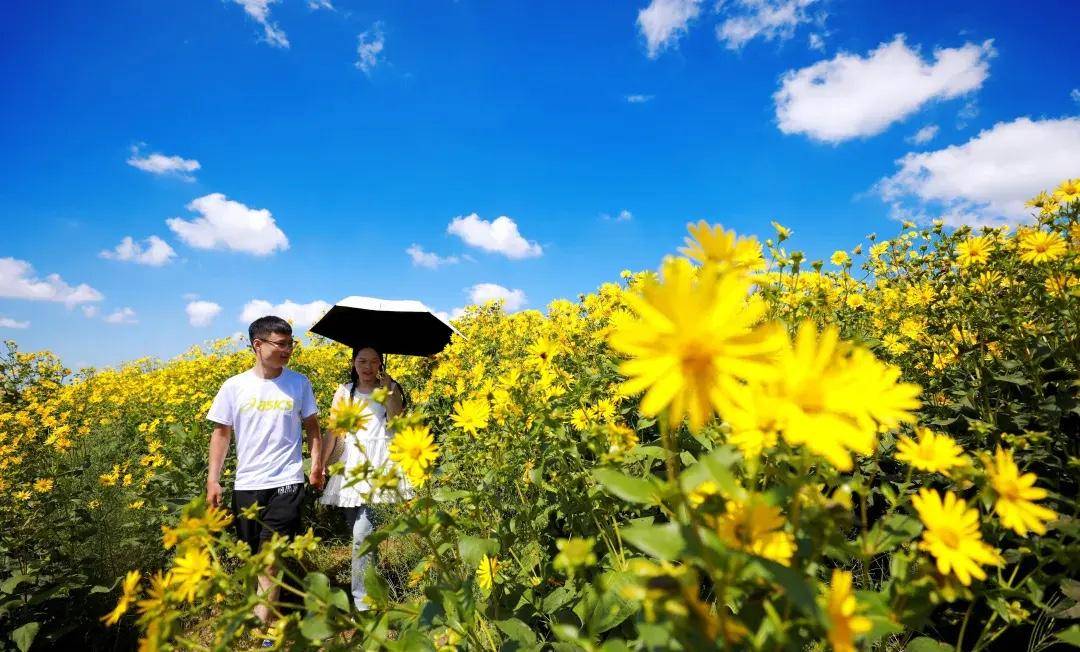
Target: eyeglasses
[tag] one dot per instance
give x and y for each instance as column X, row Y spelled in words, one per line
column 286, row 345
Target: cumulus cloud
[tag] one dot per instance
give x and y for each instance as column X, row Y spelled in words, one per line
column 1075, row 95
column 816, row 41
column 162, row 165
column 369, row 46
column 851, row 96
column 7, row 322
column 201, row 313
column 89, row 311
column 155, row 253
column 622, row 216
column 228, row 224
column 421, row 258
column 663, row 22
column 638, row 99
column 18, row 281
column 499, row 236
column 301, row 315
column 987, row 179
column 320, row 4
column 259, row 11
column 512, row 300
column 769, row 19
column 924, row 135
column 122, row 316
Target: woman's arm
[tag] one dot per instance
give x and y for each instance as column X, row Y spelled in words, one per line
column 329, row 435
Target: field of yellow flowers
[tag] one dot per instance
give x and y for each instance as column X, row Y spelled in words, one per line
column 746, row 449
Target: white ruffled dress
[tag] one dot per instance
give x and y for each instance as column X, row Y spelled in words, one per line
column 370, row 442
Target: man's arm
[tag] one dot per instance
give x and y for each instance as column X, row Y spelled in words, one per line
column 317, row 477
column 219, row 448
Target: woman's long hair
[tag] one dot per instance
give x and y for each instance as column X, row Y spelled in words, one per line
column 354, row 377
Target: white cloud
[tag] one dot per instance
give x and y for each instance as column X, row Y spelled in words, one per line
column 7, row 322
column 259, row 10
column 453, row 314
column 623, row 216
column 157, row 252
column 161, row 165
column 201, row 313
column 1075, row 95
column 369, row 45
column 987, row 179
column 512, row 300
column 228, row 224
column 968, row 112
column 499, row 236
column 816, row 42
column 924, row 135
column 664, row 21
column 122, row 316
column 17, row 281
column 639, row 99
column 90, row 311
column 320, row 4
column 301, row 315
column 421, row 258
column 770, row 19
column 851, row 96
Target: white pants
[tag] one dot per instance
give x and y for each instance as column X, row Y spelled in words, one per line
column 361, row 521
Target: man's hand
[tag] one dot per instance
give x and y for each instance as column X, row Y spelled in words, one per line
column 213, row 494
column 317, row 477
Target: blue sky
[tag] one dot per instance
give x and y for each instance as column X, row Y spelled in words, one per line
column 330, row 137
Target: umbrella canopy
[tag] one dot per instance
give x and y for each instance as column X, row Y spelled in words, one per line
column 402, row 327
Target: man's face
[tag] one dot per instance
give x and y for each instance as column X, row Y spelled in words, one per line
column 274, row 351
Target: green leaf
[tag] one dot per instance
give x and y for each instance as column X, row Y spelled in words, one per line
column 661, row 541
column 630, row 489
column 24, row 636
column 472, row 549
column 927, row 644
column 557, row 599
column 796, row 587
column 14, row 581
column 315, row 628
column 612, row 609
column 518, row 631
column 376, row 588
column 1070, row 636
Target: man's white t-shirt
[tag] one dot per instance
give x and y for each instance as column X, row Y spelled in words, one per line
column 265, row 415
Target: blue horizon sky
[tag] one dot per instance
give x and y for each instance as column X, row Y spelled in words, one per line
column 498, row 109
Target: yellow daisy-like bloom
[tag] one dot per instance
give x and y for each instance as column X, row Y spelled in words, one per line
column 348, row 416
column 131, row 582
column 840, row 258
column 156, row 593
column 1068, row 191
column 702, row 492
column 934, row 452
column 414, row 451
column 754, row 419
column 832, row 397
column 486, row 572
column 689, row 337
column 974, row 251
column 1016, row 495
column 189, row 571
column 756, row 527
column 952, row 536
column 1037, row 247
column 1040, row 200
column 43, row 485
column 1060, row 285
column 724, row 249
column 471, row 415
column 840, row 608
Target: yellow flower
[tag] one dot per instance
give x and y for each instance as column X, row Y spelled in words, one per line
column 782, row 232
column 952, row 536
column 574, row 553
column 1039, row 247
column 840, row 258
column 131, row 582
column 486, row 572
column 933, row 452
column 755, row 526
column 724, row 249
column 1039, row 200
column 1016, row 494
column 1068, row 191
column 189, row 571
column 840, row 608
column 974, row 251
column 690, row 337
column 414, row 451
column 155, row 593
column 702, row 492
column 43, row 485
column 22, row 495
column 1060, row 285
column 349, row 416
column 855, row 301
column 471, row 415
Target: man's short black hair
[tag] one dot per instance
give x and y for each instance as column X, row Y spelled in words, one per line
column 263, row 327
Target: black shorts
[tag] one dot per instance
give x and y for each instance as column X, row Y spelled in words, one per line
column 279, row 511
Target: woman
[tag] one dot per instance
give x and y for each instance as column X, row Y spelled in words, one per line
column 370, row 443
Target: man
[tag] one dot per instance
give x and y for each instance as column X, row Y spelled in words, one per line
column 266, row 407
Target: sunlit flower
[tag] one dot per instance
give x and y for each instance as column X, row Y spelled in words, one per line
column 189, row 571
column 414, row 451
column 1068, row 191
column 1039, row 247
column 574, row 553
column 840, row 612
column 724, row 249
column 471, row 415
column 486, row 573
column 1016, row 496
column 952, row 536
column 755, row 526
column 974, row 251
column 131, row 582
column 934, row 452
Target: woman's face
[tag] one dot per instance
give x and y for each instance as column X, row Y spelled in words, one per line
column 367, row 365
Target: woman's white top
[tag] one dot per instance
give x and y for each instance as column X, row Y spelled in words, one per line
column 372, row 443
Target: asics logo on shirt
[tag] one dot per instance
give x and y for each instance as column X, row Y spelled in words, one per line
column 281, row 405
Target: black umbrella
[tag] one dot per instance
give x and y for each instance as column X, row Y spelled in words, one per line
column 403, row 327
